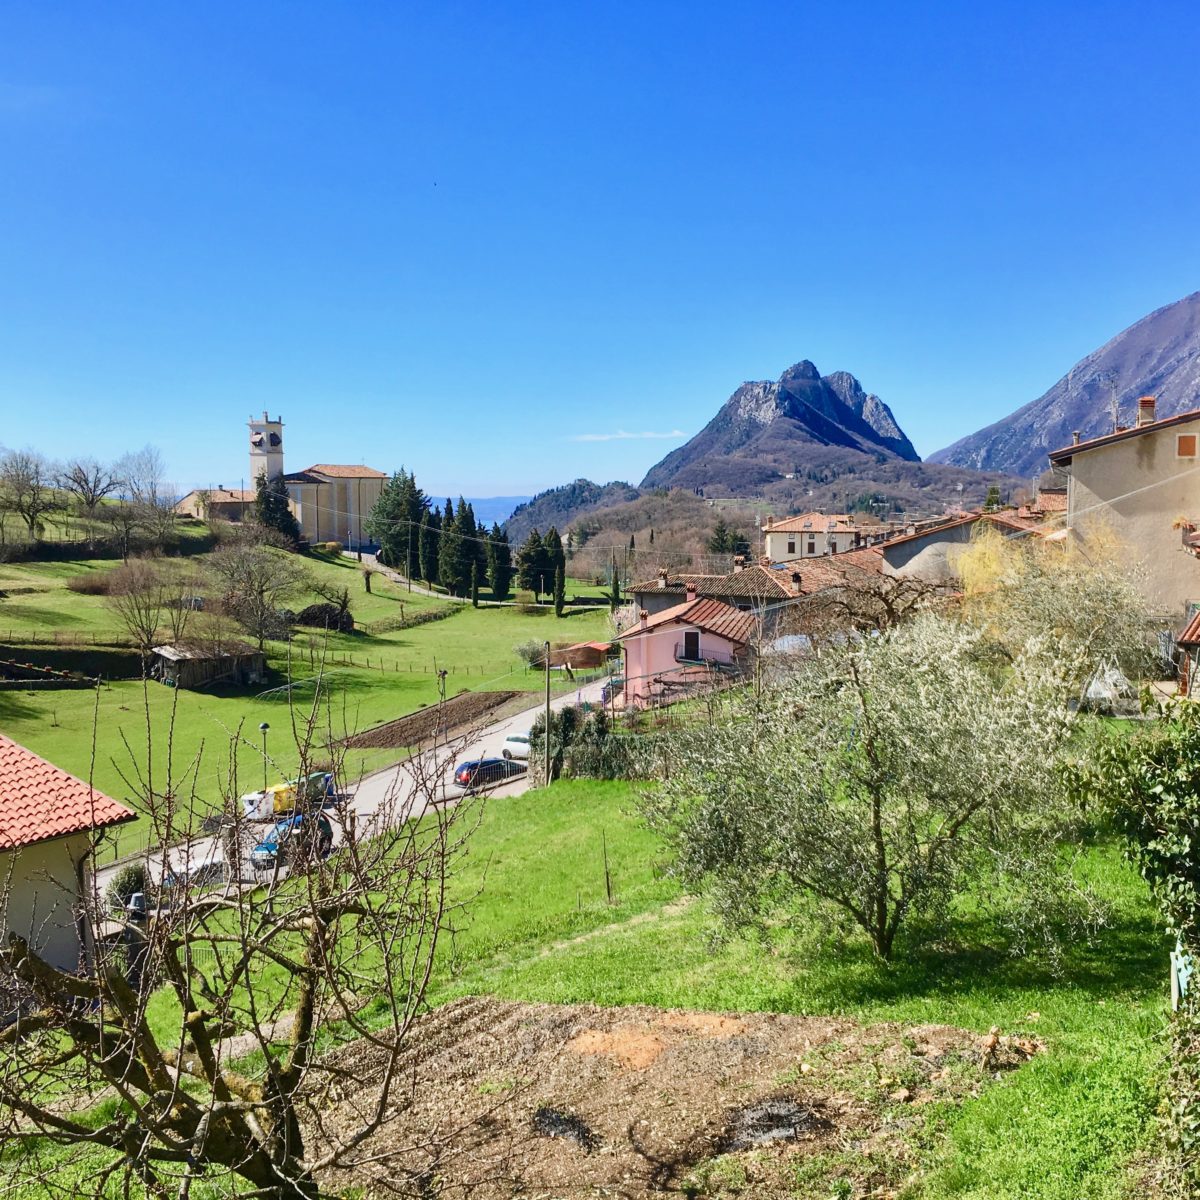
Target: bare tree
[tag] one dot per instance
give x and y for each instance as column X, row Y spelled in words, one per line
column 218, row 1036
column 27, row 487
column 140, row 595
column 89, row 481
column 257, row 581
column 151, row 498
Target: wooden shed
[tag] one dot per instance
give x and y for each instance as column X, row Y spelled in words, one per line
column 191, row 665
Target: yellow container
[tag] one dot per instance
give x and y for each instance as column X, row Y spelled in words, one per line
column 283, row 797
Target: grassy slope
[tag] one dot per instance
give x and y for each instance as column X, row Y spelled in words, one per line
column 377, row 677
column 1060, row 1128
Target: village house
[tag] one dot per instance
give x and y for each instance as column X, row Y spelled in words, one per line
column 684, row 649
column 813, row 534
column 49, row 822
column 192, row 665
column 1138, row 484
column 217, row 504
column 931, row 554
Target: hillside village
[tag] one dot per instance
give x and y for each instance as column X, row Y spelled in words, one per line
column 599, row 602
column 218, row 725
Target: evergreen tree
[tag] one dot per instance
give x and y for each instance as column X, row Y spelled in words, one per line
column 632, row 542
column 652, row 535
column 992, row 500
column 271, row 508
column 499, row 565
column 386, row 518
column 430, row 544
column 472, row 549
column 560, row 590
column 474, row 585
column 450, row 555
column 554, row 557
column 614, row 592
column 739, row 543
column 719, row 543
column 531, row 564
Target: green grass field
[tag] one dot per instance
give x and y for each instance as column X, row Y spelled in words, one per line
column 212, row 735
column 1065, row 1126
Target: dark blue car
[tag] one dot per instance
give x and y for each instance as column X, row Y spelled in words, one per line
column 300, row 833
column 485, row 772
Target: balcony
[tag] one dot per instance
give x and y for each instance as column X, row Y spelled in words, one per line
column 695, row 655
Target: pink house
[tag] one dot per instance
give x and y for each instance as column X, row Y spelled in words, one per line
column 680, row 649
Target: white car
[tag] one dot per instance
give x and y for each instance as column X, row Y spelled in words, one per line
column 516, row 745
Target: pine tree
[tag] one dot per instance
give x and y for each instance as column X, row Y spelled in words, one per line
column 499, row 563
column 719, row 543
column 560, row 590
column 272, row 510
column 385, row 519
column 992, row 500
column 474, row 585
column 531, row 564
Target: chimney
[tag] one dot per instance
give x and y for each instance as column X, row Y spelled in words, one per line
column 739, row 562
column 643, row 616
column 1145, row 411
column 662, row 578
column 1075, row 438
column 691, row 590
column 796, row 583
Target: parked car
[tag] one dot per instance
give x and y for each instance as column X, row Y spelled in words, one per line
column 295, row 836
column 480, row 773
column 516, row 745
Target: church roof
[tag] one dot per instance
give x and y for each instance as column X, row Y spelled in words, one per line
column 342, row 471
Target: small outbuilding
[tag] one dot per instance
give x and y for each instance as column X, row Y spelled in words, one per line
column 192, row 665
column 49, row 822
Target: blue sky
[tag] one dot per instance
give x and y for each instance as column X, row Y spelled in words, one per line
column 480, row 240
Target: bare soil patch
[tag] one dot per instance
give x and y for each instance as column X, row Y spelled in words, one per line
column 572, row 1101
column 457, row 712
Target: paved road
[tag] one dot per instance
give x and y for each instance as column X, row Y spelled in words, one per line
column 369, row 560
column 394, row 790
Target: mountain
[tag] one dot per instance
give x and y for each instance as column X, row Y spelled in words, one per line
column 1158, row 356
column 561, row 505
column 766, row 431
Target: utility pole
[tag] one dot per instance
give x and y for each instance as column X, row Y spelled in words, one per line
column 547, row 733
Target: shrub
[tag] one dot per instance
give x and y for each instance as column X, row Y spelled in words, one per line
column 532, row 653
column 334, row 547
column 130, row 879
column 94, row 583
column 326, row 616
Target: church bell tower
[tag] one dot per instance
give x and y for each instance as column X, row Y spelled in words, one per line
column 266, row 448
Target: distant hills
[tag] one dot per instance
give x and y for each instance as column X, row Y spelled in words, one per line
column 1157, row 356
column 806, row 440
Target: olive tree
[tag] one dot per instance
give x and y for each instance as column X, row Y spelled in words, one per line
column 884, row 777
column 208, row 1051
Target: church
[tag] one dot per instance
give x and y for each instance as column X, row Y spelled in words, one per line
column 331, row 500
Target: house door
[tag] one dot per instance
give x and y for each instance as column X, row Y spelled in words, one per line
column 691, row 645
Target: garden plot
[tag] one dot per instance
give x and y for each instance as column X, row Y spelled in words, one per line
column 577, row 1100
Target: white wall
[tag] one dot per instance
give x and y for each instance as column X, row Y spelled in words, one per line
column 40, row 885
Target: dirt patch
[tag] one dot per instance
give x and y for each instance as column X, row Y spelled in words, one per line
column 573, row 1101
column 465, row 710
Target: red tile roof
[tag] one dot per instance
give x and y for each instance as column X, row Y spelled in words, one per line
column 750, row 583
column 1191, row 635
column 38, row 801
column 338, row 471
column 712, row 616
column 816, row 522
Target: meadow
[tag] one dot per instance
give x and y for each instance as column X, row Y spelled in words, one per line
column 208, row 742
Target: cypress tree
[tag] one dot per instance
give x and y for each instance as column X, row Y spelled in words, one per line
column 554, row 555
column 474, row 585
column 560, row 590
column 530, row 562
column 470, row 548
column 499, row 568
column 429, row 545
column 450, row 558
column 632, row 542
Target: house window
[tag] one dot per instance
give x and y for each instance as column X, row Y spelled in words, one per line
column 1185, row 445
column 791, row 545
column 812, row 546
column 691, row 644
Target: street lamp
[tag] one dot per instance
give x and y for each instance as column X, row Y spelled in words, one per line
column 263, row 730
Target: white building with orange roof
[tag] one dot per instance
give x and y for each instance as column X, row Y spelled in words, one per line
column 49, row 822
